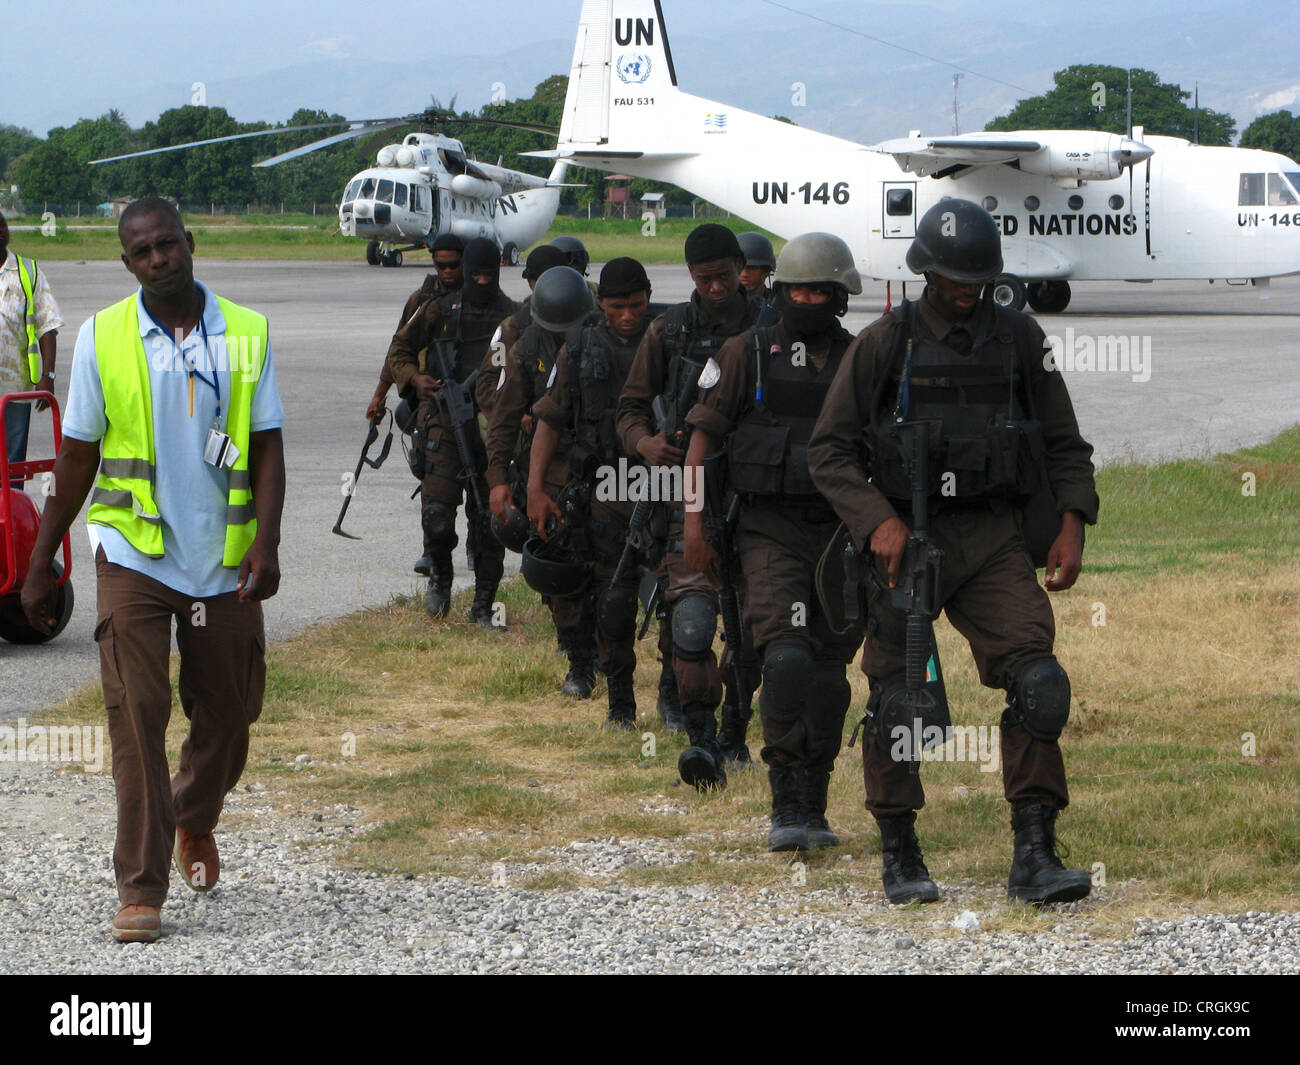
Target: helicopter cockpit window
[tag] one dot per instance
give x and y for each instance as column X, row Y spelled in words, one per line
column 351, row 193
column 367, row 191
column 1250, row 192
column 1279, row 192
column 399, row 195
column 385, row 193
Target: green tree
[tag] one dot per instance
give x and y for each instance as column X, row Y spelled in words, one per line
column 214, row 173
column 1278, row 132
column 58, row 169
column 15, row 141
column 1092, row 96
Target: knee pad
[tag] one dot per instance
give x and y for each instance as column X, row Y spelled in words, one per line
column 616, row 614
column 1039, row 697
column 439, row 521
column 787, row 665
column 695, row 620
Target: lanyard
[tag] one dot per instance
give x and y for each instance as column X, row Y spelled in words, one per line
column 215, row 383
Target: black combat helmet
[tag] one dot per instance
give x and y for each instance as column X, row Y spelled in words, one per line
column 958, row 240
column 757, row 250
column 575, row 250
column 552, row 567
column 514, row 531
column 561, row 299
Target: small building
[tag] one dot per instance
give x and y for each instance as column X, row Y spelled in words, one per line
column 653, row 202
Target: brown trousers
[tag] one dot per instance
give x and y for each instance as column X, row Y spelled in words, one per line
column 222, row 680
column 991, row 595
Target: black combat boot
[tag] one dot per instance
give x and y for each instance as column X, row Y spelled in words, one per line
column 904, row 873
column 812, row 806
column 670, row 709
column 731, row 736
column 481, row 611
column 622, row 701
column 700, row 765
column 437, row 597
column 424, row 565
column 787, row 832
column 1037, row 874
column 581, row 678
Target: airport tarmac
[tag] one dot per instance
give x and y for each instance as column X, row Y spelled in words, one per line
column 1203, row 369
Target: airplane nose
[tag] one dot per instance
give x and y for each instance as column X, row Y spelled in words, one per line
column 1131, row 152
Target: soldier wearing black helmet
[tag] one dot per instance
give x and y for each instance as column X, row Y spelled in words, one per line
column 575, row 425
column 676, row 352
column 760, row 261
column 560, row 301
column 467, row 316
column 446, row 250
column 975, row 371
column 575, row 253
column 764, row 404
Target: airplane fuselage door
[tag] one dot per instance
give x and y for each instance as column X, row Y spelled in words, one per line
column 898, row 210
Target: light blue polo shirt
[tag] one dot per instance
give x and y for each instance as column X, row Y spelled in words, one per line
column 191, row 495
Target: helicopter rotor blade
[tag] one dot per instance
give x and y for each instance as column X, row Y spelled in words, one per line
column 325, row 142
column 216, row 140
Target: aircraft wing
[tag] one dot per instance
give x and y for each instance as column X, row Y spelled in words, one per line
column 925, row 155
column 1063, row 154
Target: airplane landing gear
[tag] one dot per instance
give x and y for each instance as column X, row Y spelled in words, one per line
column 1049, row 297
column 1010, row 291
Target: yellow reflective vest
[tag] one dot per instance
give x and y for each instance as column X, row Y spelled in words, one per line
column 27, row 278
column 123, row 497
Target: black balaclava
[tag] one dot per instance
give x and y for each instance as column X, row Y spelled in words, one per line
column 480, row 255
column 808, row 319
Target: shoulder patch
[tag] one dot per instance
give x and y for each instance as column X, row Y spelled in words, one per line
column 501, row 379
column 550, row 381
column 711, row 374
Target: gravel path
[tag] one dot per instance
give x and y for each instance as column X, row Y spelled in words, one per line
column 283, row 907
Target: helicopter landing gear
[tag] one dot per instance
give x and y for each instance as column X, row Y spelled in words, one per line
column 381, row 253
column 393, row 258
column 510, row 254
column 372, row 253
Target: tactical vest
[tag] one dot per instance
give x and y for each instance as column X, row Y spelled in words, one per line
column 598, row 364
column 123, row 496
column 689, row 343
column 763, row 311
column 767, row 452
column 471, row 326
column 988, row 446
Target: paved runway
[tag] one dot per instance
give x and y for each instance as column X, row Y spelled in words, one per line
column 1223, row 373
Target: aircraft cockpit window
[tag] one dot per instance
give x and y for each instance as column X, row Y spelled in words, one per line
column 1250, row 192
column 351, row 193
column 367, row 189
column 898, row 202
column 385, row 193
column 1293, row 176
column 1279, row 192
column 399, row 195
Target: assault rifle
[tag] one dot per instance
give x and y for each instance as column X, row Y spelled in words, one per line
column 372, row 434
column 916, row 594
column 640, row 535
column 721, row 531
column 455, row 400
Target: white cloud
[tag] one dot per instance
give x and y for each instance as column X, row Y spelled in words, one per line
column 1275, row 100
column 329, row 47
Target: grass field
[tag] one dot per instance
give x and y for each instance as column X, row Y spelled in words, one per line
column 1183, row 747
column 318, row 237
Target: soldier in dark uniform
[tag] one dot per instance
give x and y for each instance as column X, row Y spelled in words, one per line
column 447, row 250
column 760, row 261
column 764, row 404
column 956, row 359
column 575, row 420
column 560, row 301
column 468, row 316
column 673, row 353
column 539, row 260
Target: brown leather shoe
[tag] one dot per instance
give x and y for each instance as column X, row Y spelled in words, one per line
column 196, row 859
column 137, row 924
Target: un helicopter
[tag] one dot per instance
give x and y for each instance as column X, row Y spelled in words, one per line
column 423, row 187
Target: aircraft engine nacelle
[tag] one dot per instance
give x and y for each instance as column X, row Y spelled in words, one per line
column 475, row 188
column 388, row 154
column 1084, row 156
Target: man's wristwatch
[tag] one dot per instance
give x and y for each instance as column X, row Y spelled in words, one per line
column 49, row 374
